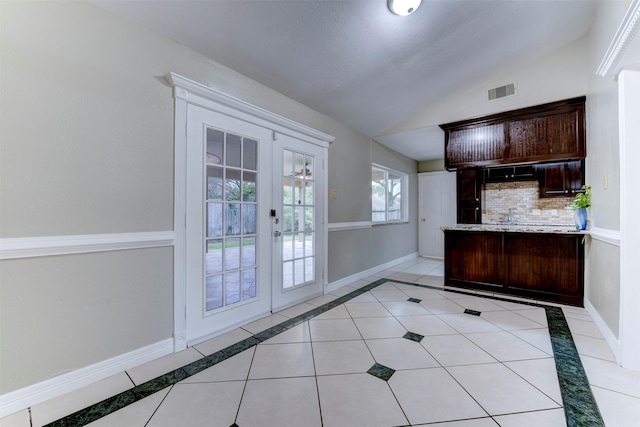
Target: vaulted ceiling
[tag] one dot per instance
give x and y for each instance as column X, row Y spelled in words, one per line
column 354, row 60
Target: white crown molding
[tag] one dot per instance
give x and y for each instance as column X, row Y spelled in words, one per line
column 23, row 398
column 184, row 88
column 29, row 247
column 621, row 41
column 605, row 235
column 342, row 226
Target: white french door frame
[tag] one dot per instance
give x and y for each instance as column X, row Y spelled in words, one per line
column 185, row 92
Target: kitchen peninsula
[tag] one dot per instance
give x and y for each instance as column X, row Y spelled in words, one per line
column 539, row 262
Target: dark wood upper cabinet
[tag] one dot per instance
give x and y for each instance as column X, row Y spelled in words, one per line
column 553, row 131
column 560, row 179
column 510, row 173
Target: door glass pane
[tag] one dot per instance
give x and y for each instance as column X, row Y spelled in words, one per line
column 248, row 283
column 248, row 251
column 214, row 292
column 249, row 219
column 249, row 154
column 248, row 187
column 214, row 256
column 234, row 146
column 232, row 185
column 215, row 147
column 231, row 219
column 232, row 287
column 214, row 219
column 231, row 254
column 298, row 219
column 214, row 183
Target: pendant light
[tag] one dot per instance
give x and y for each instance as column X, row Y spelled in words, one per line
column 403, row 7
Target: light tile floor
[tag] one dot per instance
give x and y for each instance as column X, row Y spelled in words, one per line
column 496, row 369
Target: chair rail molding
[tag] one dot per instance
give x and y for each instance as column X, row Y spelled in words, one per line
column 30, row 247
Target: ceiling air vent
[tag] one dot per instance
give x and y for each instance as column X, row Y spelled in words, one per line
column 502, row 91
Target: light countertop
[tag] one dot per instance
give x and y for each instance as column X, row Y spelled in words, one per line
column 511, row 228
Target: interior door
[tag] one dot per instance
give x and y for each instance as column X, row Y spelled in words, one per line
column 228, row 196
column 298, row 224
column 437, row 207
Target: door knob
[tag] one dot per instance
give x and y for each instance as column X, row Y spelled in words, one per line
column 277, row 234
column 424, row 219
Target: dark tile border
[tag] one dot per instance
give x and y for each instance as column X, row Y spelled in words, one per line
column 579, row 404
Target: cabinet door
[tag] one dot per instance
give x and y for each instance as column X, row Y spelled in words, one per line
column 544, row 266
column 476, row 145
column 561, row 179
column 469, row 183
column 553, row 136
column 473, row 258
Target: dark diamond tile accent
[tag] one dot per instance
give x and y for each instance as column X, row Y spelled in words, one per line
column 413, row 336
column 416, row 300
column 381, row 371
column 473, row 312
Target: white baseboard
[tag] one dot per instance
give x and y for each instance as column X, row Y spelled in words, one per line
column 40, row 392
column 609, row 337
column 361, row 275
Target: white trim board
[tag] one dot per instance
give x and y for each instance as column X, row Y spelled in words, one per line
column 361, row 275
column 621, row 41
column 29, row 247
column 26, row 397
column 343, row 226
column 605, row 235
column 607, row 334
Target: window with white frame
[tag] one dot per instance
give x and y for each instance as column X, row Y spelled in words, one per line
column 388, row 195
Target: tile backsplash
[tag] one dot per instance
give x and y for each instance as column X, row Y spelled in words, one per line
column 526, row 205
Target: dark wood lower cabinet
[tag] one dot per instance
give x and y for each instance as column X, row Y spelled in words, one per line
column 547, row 267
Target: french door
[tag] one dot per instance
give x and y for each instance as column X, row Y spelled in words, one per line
column 298, row 238
column 255, row 222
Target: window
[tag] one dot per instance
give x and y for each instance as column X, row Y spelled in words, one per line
column 388, row 195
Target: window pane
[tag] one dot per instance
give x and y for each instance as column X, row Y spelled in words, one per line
column 249, row 154
column 287, row 162
column 299, row 245
column 249, row 218
column 308, row 244
column 214, row 219
column 287, row 219
column 308, row 161
column 248, row 251
column 287, row 246
column 214, row 183
column 215, row 147
column 234, row 145
column 299, row 272
column 248, row 283
column 395, row 197
column 232, row 254
column 214, row 292
column 308, row 194
column 249, row 186
column 308, row 219
column 232, row 219
column 287, row 274
column 378, row 200
column 232, row 185
column 287, row 191
column 232, row 287
column 309, row 269
column 214, row 256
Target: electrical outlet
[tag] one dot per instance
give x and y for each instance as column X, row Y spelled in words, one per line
column 535, row 212
column 554, row 212
column 605, row 182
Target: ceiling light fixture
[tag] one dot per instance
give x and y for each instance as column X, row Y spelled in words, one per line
column 403, row 7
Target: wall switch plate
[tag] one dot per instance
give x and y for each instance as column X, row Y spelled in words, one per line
column 333, row 193
column 535, row 212
column 554, row 212
column 605, row 182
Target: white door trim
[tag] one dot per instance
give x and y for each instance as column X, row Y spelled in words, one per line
column 186, row 92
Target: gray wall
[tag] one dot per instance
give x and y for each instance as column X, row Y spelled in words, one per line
column 87, row 148
column 602, row 275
